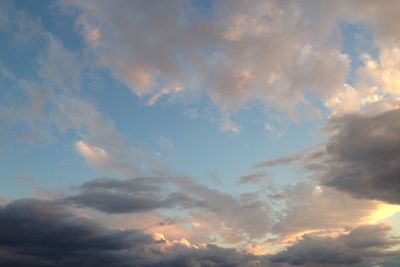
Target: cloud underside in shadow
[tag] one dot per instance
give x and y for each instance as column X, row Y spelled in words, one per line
column 361, row 156
column 37, row 233
column 144, row 194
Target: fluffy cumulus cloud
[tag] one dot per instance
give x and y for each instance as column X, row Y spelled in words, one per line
column 231, row 49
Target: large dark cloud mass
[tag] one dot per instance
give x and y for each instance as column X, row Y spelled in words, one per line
column 37, row 233
column 361, row 157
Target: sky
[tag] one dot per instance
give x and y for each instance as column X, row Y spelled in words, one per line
column 199, row 133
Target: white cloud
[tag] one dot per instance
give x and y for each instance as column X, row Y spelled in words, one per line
column 242, row 52
column 100, row 160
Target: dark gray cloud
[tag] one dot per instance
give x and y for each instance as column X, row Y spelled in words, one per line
column 37, row 233
column 364, row 244
column 40, row 233
column 361, row 156
column 243, row 215
column 134, row 195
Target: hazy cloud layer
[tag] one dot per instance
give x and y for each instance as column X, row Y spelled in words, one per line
column 313, row 208
column 357, row 246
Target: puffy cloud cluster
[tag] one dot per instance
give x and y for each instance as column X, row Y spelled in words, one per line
column 275, row 52
column 239, row 51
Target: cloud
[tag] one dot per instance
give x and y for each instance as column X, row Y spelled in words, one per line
column 264, row 51
column 228, row 125
column 359, row 245
column 135, row 195
column 166, row 143
column 314, row 208
column 252, row 178
column 360, row 156
column 37, row 233
column 228, row 215
column 363, row 155
column 42, row 233
column 48, row 103
column 99, row 159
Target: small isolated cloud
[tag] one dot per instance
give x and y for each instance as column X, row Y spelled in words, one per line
column 253, row 178
column 24, row 178
column 228, row 125
column 100, row 160
column 166, row 143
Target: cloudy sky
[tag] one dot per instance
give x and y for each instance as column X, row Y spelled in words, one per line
column 200, row 133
